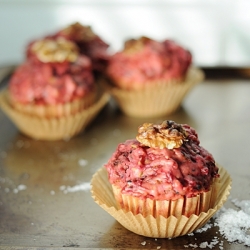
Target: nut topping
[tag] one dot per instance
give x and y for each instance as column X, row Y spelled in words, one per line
column 59, row 50
column 132, row 46
column 166, row 135
column 79, row 32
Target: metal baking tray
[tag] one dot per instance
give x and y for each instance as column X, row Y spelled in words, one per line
column 45, row 198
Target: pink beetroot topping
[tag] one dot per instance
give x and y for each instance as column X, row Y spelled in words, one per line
column 51, row 83
column 145, row 60
column 162, row 174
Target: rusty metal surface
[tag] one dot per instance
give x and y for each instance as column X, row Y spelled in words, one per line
column 46, row 215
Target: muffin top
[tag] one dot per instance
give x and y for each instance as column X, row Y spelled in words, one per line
column 54, row 72
column 88, row 42
column 145, row 60
column 164, row 162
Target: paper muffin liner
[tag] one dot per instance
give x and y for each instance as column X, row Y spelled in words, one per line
column 58, row 110
column 158, row 226
column 157, row 99
column 182, row 206
column 53, row 128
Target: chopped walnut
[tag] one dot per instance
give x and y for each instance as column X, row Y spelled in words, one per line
column 79, row 32
column 134, row 45
column 166, row 135
column 59, row 50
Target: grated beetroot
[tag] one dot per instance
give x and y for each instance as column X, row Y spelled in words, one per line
column 51, row 83
column 153, row 61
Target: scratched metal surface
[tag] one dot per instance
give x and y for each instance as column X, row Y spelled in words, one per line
column 44, row 216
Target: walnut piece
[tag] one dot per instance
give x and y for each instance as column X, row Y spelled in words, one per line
column 166, row 135
column 79, row 32
column 55, row 50
column 132, row 46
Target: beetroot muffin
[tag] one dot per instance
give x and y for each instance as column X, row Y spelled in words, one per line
column 164, row 165
column 53, row 89
column 150, row 78
column 145, row 61
column 55, row 81
column 163, row 184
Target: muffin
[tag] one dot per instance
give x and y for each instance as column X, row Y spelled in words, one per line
column 149, row 78
column 55, row 75
column 89, row 44
column 53, row 95
column 162, row 177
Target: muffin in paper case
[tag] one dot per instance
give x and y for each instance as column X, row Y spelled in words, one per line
column 159, row 226
column 52, row 128
column 155, row 99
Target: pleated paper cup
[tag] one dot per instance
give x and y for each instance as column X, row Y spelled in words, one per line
column 58, row 110
column 157, row 226
column 54, row 128
column 166, row 208
column 156, row 99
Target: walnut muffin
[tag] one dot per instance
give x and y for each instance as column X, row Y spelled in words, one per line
column 165, row 163
column 145, row 61
column 150, row 78
column 53, row 94
column 55, row 81
column 163, row 183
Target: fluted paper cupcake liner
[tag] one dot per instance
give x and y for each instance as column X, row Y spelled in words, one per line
column 158, row 99
column 57, row 110
column 183, row 206
column 53, row 128
column 159, row 226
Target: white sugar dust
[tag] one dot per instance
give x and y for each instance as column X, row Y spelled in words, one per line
column 234, row 225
